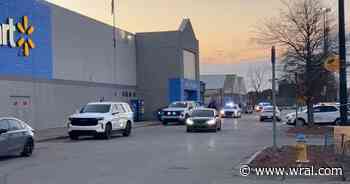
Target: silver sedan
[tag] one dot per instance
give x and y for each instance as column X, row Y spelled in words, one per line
column 16, row 137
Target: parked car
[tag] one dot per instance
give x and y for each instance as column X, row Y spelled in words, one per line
column 178, row 111
column 231, row 111
column 16, row 137
column 267, row 114
column 101, row 119
column 290, row 115
column 322, row 114
column 260, row 106
column 203, row 119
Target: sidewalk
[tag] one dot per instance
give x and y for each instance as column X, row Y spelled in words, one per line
column 61, row 133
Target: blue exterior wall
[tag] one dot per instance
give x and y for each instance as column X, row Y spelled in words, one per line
column 184, row 89
column 39, row 63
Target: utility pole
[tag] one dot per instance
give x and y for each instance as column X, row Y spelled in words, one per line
column 342, row 65
column 325, row 30
column 296, row 98
column 273, row 61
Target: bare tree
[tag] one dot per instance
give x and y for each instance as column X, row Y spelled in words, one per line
column 299, row 33
column 257, row 78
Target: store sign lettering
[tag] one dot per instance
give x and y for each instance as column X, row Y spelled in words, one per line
column 8, row 33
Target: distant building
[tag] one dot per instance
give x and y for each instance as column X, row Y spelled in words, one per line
column 224, row 88
column 167, row 67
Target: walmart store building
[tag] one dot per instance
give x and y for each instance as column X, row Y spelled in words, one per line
column 53, row 61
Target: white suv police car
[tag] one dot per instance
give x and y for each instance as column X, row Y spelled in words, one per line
column 101, row 119
column 178, row 111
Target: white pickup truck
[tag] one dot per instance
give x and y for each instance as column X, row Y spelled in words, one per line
column 178, row 111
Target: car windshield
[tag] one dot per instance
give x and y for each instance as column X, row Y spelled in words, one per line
column 268, row 109
column 202, row 113
column 96, row 108
column 230, row 107
column 264, row 104
column 178, row 105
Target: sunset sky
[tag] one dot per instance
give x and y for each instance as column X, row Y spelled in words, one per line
column 223, row 27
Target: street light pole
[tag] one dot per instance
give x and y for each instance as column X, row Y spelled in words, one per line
column 342, row 65
column 325, row 30
column 273, row 61
column 296, row 98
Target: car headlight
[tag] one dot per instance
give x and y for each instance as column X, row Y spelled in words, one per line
column 189, row 122
column 211, row 122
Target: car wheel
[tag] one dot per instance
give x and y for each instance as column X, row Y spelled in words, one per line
column 261, row 119
column 165, row 123
column 337, row 122
column 28, row 148
column 299, row 122
column 73, row 137
column 127, row 130
column 108, row 131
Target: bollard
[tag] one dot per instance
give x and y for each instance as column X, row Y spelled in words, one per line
column 301, row 149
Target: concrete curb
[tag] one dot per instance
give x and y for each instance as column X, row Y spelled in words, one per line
column 147, row 125
column 66, row 136
column 52, row 138
column 251, row 158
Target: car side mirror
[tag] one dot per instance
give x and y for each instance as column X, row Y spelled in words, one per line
column 2, row 131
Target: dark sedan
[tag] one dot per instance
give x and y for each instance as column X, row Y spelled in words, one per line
column 16, row 137
column 203, row 119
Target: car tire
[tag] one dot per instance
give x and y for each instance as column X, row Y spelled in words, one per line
column 300, row 122
column 73, row 137
column 108, row 132
column 28, row 148
column 164, row 123
column 127, row 130
column 262, row 119
column 337, row 122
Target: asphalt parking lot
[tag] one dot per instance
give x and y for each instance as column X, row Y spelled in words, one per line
column 157, row 155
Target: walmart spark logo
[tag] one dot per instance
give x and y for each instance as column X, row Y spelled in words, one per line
column 25, row 41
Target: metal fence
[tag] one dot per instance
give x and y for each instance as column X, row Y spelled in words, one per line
column 338, row 143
